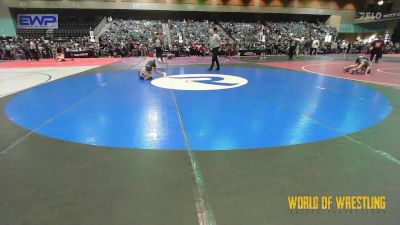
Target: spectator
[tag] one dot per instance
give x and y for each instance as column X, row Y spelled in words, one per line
column 334, row 47
column 314, row 46
column 292, row 47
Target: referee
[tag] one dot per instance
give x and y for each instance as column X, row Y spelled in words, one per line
column 214, row 45
column 158, row 46
column 377, row 49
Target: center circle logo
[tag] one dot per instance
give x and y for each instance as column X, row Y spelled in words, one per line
column 199, row 82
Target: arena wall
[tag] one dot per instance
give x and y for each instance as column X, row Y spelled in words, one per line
column 340, row 11
column 345, row 8
column 7, row 26
column 396, row 5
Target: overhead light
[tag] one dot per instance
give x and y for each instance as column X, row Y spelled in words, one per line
column 380, row 2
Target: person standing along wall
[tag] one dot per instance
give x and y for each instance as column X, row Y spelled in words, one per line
column 292, row 47
column 307, row 46
column 314, row 47
column 33, row 50
column 334, row 47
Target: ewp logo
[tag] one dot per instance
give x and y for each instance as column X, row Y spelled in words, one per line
column 198, row 82
column 38, row 21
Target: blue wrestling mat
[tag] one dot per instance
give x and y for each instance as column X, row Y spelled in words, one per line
column 192, row 108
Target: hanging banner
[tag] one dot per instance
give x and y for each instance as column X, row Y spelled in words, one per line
column 378, row 15
column 391, row 15
column 37, row 21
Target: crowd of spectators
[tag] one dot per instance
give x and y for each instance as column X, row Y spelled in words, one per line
column 126, row 38
column 245, row 35
column 274, row 37
column 40, row 48
column 309, row 35
column 131, row 37
column 305, row 47
column 190, row 37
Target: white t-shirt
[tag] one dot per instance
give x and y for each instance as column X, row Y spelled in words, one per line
column 157, row 43
column 32, row 45
column 315, row 44
column 215, row 41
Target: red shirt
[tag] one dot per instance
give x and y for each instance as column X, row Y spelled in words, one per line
column 378, row 44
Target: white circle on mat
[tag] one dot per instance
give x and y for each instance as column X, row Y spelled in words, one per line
column 199, row 82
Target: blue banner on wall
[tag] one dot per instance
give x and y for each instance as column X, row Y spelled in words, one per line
column 37, row 21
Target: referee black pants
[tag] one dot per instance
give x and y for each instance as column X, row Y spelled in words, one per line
column 292, row 49
column 159, row 53
column 214, row 58
column 377, row 54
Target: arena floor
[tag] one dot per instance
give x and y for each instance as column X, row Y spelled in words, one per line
column 86, row 142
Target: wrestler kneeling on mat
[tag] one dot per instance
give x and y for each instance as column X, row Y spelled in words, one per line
column 363, row 65
column 146, row 73
column 59, row 56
